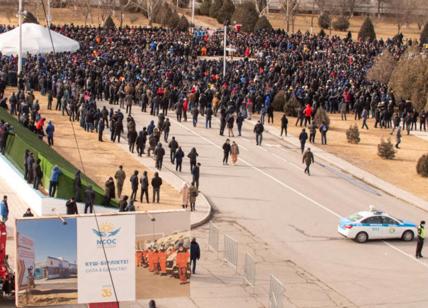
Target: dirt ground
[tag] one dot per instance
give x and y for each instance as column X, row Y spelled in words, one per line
column 384, row 27
column 401, row 171
column 150, row 285
column 101, row 159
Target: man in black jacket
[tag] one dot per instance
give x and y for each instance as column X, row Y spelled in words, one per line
column 258, row 129
column 195, row 254
column 303, row 137
column 160, row 153
column 89, row 200
column 156, row 184
column 178, row 159
column 134, row 185
column 195, row 175
column 226, row 151
column 71, row 206
column 173, row 146
column 144, row 181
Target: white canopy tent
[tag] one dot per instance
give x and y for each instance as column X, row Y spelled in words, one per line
column 35, row 40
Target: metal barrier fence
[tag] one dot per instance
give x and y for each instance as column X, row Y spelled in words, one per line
column 276, row 293
column 231, row 251
column 213, row 237
column 250, row 270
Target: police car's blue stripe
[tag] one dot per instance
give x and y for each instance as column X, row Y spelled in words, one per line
column 383, row 225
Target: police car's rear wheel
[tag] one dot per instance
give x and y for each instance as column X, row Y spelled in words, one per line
column 362, row 237
column 408, row 236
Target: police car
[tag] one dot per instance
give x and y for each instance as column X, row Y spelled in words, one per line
column 373, row 224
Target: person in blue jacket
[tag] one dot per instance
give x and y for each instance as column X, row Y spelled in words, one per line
column 53, row 184
column 50, row 129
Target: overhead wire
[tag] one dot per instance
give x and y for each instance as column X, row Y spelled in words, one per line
column 83, row 169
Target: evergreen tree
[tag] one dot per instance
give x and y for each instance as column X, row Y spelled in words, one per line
column 422, row 166
column 246, row 15
column 205, row 8
column 226, row 11
column 215, row 8
column 353, row 134
column 424, row 35
column 367, row 31
column 263, row 24
column 386, row 149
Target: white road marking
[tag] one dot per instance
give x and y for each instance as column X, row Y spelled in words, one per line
column 319, row 205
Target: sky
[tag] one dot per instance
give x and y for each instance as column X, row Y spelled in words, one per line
column 51, row 237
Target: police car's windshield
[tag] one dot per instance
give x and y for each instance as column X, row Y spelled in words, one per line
column 355, row 217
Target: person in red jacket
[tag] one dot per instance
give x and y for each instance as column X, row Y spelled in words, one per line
column 307, row 113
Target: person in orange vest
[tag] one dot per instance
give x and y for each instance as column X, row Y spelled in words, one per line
column 182, row 260
column 150, row 259
column 144, row 259
column 162, row 260
column 139, row 258
column 155, row 256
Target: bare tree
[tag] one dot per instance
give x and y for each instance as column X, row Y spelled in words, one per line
column 149, row 7
column 290, row 8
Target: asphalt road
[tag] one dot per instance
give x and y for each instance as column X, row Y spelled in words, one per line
column 294, row 218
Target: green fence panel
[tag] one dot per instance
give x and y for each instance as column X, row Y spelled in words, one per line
column 23, row 139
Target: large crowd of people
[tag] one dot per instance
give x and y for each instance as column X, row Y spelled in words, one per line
column 161, row 71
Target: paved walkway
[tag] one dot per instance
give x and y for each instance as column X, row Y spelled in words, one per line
column 168, row 173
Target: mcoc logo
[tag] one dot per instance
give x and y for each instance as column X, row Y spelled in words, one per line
column 106, row 235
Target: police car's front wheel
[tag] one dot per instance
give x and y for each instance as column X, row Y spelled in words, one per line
column 408, row 236
column 362, row 237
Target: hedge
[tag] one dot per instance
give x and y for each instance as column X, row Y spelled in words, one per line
column 23, row 139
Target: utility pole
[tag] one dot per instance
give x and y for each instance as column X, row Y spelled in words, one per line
column 20, row 38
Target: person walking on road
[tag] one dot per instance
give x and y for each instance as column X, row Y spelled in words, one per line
column 258, row 130
column 303, row 137
column 398, row 137
column 195, row 254
column 120, row 177
column 100, row 130
column 134, row 185
column 312, row 132
column 159, row 153
column 89, row 200
column 195, row 175
column 421, row 239
column 226, row 151
column 173, row 146
column 193, row 193
column 193, row 156
column 178, row 159
column 234, row 152
column 365, row 116
column 144, row 181
column 308, row 159
column 284, row 125
column 323, row 131
column 156, row 184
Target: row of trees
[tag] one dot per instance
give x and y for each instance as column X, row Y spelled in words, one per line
column 248, row 14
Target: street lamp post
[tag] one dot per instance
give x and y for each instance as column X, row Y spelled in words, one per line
column 20, row 38
column 193, row 14
column 49, row 13
column 224, row 48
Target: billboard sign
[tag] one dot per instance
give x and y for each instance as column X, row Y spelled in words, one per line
column 111, row 238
